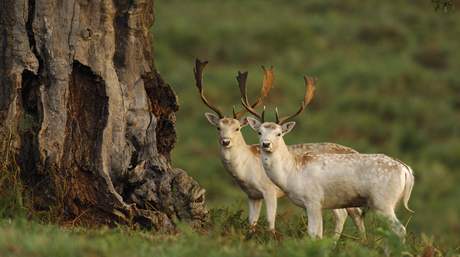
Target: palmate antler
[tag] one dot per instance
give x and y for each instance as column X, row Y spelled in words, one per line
column 309, row 92
column 198, row 71
column 241, row 78
column 267, row 85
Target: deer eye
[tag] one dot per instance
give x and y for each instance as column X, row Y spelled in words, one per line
column 259, row 133
column 218, row 128
column 237, row 129
column 279, row 134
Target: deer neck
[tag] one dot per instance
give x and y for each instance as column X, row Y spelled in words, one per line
column 235, row 154
column 279, row 165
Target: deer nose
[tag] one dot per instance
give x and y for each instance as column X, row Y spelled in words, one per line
column 225, row 142
column 266, row 144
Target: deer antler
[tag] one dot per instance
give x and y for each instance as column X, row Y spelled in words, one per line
column 267, row 84
column 309, row 92
column 241, row 78
column 198, row 71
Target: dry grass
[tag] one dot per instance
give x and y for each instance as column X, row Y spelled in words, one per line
column 11, row 187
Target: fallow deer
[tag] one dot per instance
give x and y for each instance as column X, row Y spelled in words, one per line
column 243, row 162
column 317, row 181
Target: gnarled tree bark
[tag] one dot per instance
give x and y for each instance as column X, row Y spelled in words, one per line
column 91, row 119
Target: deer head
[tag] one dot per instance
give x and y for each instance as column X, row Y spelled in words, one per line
column 271, row 133
column 229, row 127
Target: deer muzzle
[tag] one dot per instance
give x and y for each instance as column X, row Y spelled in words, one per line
column 266, row 146
column 225, row 142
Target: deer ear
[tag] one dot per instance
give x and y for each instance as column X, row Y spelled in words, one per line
column 288, row 126
column 212, row 118
column 254, row 123
column 243, row 122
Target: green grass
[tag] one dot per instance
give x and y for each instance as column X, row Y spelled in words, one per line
column 388, row 83
column 226, row 237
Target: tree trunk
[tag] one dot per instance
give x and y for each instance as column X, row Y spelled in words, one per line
column 92, row 122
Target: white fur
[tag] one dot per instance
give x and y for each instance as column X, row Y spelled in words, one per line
column 246, row 168
column 330, row 181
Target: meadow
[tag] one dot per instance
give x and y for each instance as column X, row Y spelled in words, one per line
column 388, row 82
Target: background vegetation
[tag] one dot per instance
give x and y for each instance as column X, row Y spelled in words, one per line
column 388, row 83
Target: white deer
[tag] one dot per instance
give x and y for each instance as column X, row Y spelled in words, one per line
column 317, row 181
column 243, row 161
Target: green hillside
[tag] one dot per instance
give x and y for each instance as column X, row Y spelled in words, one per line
column 388, row 83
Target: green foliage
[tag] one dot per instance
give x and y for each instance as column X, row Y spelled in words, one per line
column 11, row 188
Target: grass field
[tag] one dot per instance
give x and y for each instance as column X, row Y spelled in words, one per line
column 388, row 83
column 226, row 237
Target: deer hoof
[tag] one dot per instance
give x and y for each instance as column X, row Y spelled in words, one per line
column 276, row 235
column 252, row 229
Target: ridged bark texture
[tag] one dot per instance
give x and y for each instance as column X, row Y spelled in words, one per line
column 92, row 121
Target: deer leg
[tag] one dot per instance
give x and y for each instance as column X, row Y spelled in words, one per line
column 395, row 224
column 315, row 222
column 254, row 212
column 357, row 216
column 271, row 202
column 340, row 216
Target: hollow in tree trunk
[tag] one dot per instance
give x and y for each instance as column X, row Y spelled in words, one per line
column 87, row 117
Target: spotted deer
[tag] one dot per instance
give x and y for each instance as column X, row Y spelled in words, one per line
column 243, row 161
column 317, row 181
